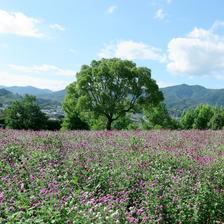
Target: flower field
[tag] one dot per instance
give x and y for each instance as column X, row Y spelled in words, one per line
column 111, row 177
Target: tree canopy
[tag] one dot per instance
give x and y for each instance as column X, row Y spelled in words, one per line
column 217, row 120
column 25, row 114
column 187, row 119
column 158, row 117
column 199, row 118
column 111, row 88
column 203, row 114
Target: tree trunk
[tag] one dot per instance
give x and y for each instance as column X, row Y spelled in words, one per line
column 109, row 122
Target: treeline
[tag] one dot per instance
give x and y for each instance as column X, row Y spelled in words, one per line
column 26, row 114
column 203, row 117
column 112, row 94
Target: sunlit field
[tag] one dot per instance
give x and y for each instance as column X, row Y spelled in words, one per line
column 111, row 177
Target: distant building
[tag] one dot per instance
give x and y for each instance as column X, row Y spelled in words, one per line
column 54, row 112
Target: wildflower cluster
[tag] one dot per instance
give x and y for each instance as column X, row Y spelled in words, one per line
column 111, row 177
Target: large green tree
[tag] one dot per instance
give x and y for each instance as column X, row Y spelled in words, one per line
column 111, row 88
column 25, row 114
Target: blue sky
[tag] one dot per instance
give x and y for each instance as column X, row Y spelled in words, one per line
column 43, row 43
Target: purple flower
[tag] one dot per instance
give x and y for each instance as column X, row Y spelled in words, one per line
column 43, row 192
column 139, row 211
column 32, row 177
column 4, row 178
column 1, row 196
column 132, row 219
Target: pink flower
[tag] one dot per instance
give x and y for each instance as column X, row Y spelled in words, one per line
column 32, row 177
column 43, row 192
column 132, row 220
column 139, row 211
column 1, row 196
column 5, row 178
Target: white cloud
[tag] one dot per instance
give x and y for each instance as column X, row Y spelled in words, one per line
column 19, row 24
column 200, row 53
column 169, row 1
column 42, row 76
column 52, row 69
column 57, row 27
column 133, row 51
column 217, row 25
column 10, row 79
column 160, row 14
column 111, row 9
column 163, row 84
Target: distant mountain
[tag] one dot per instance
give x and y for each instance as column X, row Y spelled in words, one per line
column 177, row 98
column 4, row 92
column 7, row 97
column 22, row 90
column 180, row 97
column 44, row 94
column 55, row 96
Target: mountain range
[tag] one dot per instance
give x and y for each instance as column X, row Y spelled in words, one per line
column 45, row 97
column 180, row 97
column 177, row 98
column 22, row 90
column 7, row 96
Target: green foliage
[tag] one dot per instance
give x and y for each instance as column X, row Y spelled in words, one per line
column 2, row 117
column 217, row 120
column 111, row 88
column 14, row 152
column 25, row 114
column 136, row 143
column 53, row 125
column 72, row 121
column 124, row 123
column 198, row 118
column 203, row 114
column 187, row 119
column 158, row 118
column 96, row 123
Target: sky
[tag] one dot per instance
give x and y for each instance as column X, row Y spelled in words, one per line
column 43, row 43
